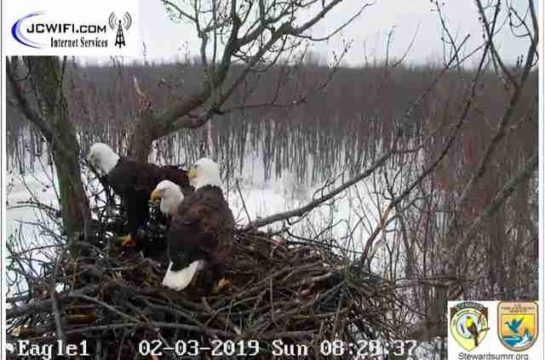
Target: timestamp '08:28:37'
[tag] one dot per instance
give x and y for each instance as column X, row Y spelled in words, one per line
column 219, row 347
column 367, row 347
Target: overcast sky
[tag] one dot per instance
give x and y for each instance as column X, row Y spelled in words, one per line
column 167, row 41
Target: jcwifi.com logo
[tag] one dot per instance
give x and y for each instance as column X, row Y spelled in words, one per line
column 64, row 29
column 31, row 30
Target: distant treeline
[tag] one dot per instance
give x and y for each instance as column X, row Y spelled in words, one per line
column 309, row 119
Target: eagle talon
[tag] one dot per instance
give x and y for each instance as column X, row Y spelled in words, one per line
column 223, row 283
column 126, row 240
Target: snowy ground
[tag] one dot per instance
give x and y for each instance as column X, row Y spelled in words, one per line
column 250, row 196
column 21, row 217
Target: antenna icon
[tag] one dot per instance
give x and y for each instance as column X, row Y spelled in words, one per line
column 121, row 24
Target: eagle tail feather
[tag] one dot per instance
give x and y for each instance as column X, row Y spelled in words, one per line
column 179, row 280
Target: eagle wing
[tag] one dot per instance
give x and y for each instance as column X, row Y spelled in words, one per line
column 134, row 181
column 127, row 181
column 179, row 177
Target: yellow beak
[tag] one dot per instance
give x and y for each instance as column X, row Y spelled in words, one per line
column 155, row 195
column 192, row 174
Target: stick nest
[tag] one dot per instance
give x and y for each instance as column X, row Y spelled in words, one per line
column 112, row 297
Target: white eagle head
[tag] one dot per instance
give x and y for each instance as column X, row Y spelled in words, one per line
column 170, row 195
column 102, row 157
column 205, row 172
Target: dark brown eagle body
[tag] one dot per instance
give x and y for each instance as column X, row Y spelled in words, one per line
column 134, row 181
column 202, row 229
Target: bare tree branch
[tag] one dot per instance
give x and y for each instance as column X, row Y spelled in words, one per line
column 313, row 204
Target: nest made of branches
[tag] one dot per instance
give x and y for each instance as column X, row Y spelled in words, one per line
column 112, row 297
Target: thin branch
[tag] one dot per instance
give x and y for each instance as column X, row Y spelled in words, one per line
column 260, row 222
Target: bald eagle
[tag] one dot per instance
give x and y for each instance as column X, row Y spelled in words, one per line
column 201, row 230
column 134, row 181
column 170, row 196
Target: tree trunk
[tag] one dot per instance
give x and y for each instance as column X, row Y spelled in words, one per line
column 151, row 126
column 46, row 77
column 142, row 136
